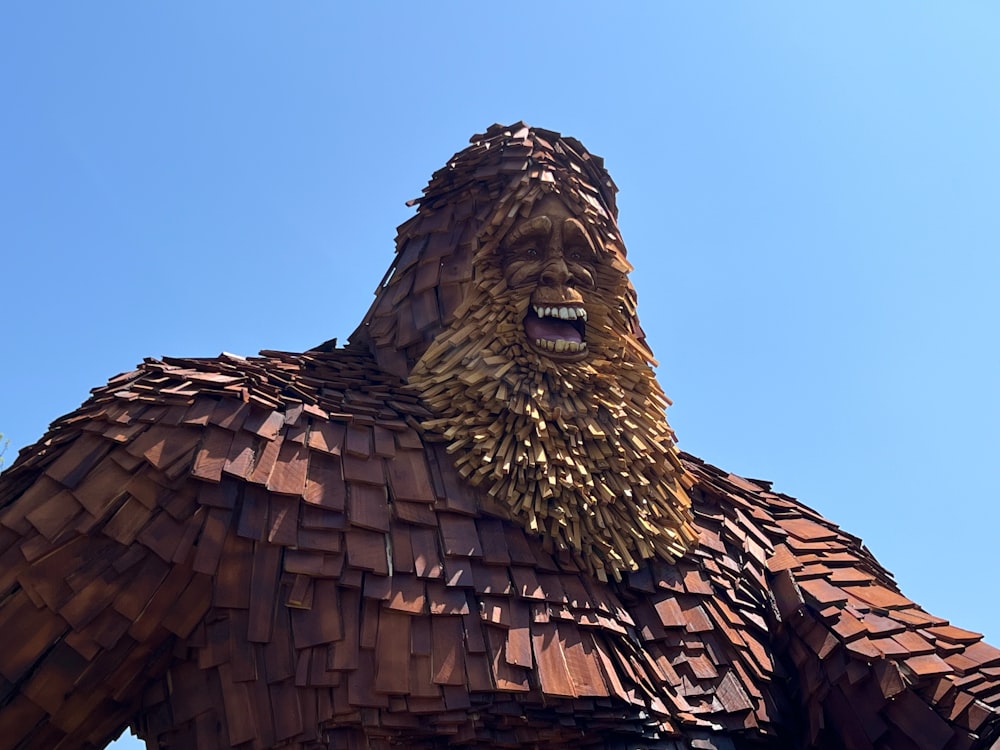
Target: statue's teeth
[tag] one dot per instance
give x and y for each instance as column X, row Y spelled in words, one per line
column 563, row 313
column 561, row 345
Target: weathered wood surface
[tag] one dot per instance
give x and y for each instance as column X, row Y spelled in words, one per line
column 315, row 551
column 203, row 551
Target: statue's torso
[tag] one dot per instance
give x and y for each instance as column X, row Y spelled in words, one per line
column 364, row 590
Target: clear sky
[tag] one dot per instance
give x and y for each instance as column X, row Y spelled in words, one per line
column 809, row 195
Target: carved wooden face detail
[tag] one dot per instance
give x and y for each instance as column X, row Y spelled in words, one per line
column 544, row 393
column 551, row 257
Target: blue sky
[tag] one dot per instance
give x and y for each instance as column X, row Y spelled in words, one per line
column 809, row 196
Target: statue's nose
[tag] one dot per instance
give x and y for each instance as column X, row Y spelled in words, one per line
column 556, row 272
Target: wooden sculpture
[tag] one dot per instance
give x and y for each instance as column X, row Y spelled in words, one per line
column 470, row 527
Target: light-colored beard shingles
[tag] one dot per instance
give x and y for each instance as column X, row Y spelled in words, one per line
column 579, row 452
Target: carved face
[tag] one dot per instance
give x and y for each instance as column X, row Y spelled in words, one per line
column 542, row 388
column 551, row 257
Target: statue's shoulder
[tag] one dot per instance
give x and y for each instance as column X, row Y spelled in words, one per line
column 867, row 661
column 164, row 493
column 167, row 410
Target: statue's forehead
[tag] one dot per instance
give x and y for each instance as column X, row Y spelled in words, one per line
column 553, row 208
column 552, row 204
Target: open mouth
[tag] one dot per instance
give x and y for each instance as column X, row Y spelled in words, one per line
column 557, row 329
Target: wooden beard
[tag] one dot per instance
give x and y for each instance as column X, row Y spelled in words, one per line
column 579, row 452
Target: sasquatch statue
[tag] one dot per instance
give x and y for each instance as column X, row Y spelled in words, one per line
column 468, row 528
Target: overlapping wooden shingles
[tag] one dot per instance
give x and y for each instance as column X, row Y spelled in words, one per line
column 536, row 656
column 684, row 645
column 319, row 631
column 256, row 465
column 873, row 667
column 93, row 584
column 703, row 625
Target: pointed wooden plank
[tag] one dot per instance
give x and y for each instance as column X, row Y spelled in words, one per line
column 279, row 652
column 367, row 550
column 101, row 488
column 927, row 664
column 213, row 454
column 229, row 414
column 252, row 520
column 393, row 653
column 125, row 524
column 232, row 587
column 409, row 477
column 162, row 534
column 426, row 560
column 322, row 623
column 320, row 539
column 358, row 442
column 213, row 534
column 240, row 458
column 144, row 581
column 327, row 437
column 325, row 482
column 447, row 651
column 240, row 714
column 283, row 520
column 582, row 662
column 31, row 631
column 670, row 612
column 517, row 649
column 163, row 600
column 385, row 442
column 368, row 507
column 264, row 423
column 550, row 660
column 263, row 592
column 361, row 683
column 459, row 535
column 289, row 473
column 421, row 514
column 265, row 460
column 51, row 508
column 77, row 461
column 402, row 548
column 363, row 470
column 922, row 725
column 494, row 545
column 286, row 710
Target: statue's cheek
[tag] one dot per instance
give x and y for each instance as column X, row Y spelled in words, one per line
column 520, row 273
column 583, row 276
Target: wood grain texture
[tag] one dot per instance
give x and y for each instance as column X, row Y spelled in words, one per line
column 254, row 612
column 272, row 552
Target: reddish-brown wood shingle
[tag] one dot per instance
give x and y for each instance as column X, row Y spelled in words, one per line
column 273, row 551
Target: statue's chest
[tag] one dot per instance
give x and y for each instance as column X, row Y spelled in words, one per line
column 385, row 603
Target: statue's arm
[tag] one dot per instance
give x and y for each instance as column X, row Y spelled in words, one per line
column 862, row 665
column 873, row 668
column 98, row 578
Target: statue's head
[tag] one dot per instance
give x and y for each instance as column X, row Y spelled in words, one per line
column 509, row 307
column 522, row 199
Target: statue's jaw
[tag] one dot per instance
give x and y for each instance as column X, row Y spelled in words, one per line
column 557, row 330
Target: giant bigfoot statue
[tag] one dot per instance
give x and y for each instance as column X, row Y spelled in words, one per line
column 468, row 528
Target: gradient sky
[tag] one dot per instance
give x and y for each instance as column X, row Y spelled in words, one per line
column 809, row 196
